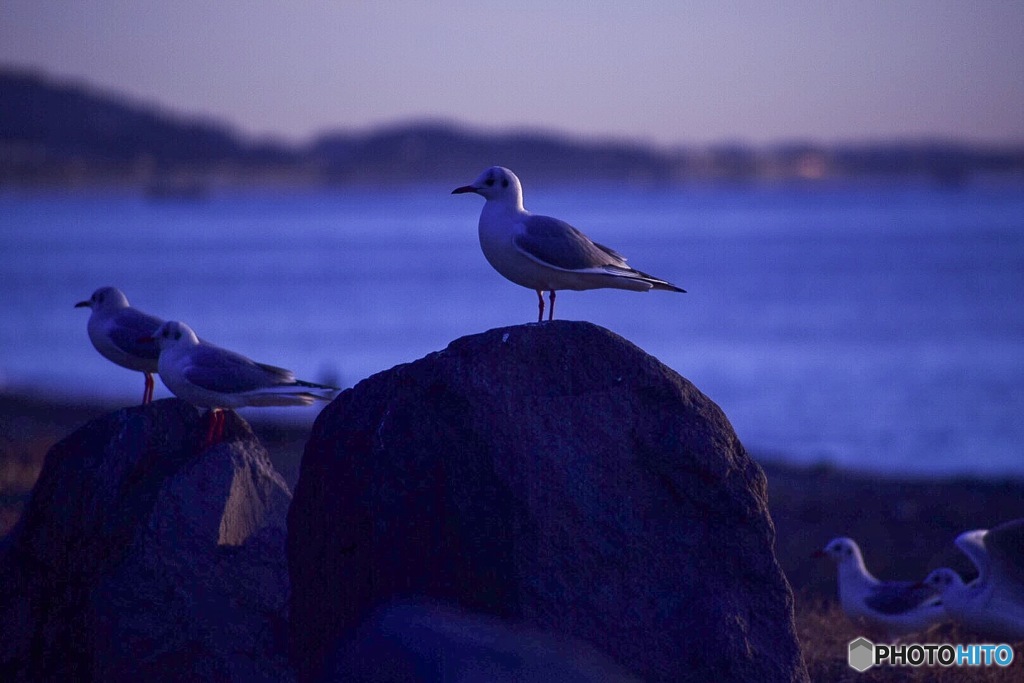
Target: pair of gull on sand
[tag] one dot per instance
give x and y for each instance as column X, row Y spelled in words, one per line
column 538, row 252
column 991, row 605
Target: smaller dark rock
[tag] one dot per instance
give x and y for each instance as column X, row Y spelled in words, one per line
column 143, row 557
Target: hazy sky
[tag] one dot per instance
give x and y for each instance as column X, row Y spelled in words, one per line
column 663, row 71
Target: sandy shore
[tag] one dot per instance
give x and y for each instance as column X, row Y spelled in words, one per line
column 905, row 527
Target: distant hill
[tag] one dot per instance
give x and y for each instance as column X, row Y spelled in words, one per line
column 50, row 129
column 444, row 151
column 67, row 134
column 61, row 122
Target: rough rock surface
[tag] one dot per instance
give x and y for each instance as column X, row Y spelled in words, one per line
column 142, row 557
column 428, row 643
column 555, row 476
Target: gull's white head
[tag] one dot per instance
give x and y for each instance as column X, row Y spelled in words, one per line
column 105, row 299
column 496, row 184
column 943, row 579
column 843, row 551
column 173, row 333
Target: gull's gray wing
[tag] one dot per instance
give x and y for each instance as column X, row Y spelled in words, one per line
column 898, row 597
column 972, row 543
column 130, row 325
column 556, row 243
column 1005, row 545
column 227, row 372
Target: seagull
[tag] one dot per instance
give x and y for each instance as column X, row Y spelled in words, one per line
column 993, row 603
column 897, row 607
column 544, row 253
column 211, row 377
column 115, row 329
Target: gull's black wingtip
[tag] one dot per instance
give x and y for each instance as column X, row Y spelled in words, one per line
column 667, row 287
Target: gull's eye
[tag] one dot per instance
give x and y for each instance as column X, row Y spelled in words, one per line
column 100, row 298
column 504, row 182
column 489, row 182
column 177, row 335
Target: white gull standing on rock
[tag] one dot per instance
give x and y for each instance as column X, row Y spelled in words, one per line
column 115, row 329
column 544, row 253
column 896, row 607
column 991, row 605
column 209, row 376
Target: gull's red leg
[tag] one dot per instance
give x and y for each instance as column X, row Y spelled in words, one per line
column 551, row 311
column 540, row 305
column 147, row 395
column 210, row 417
column 214, row 428
column 221, row 419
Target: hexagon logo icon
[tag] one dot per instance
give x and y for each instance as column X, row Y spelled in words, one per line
column 862, row 654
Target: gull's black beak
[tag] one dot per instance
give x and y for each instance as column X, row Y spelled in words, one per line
column 83, row 304
column 818, row 554
column 464, row 189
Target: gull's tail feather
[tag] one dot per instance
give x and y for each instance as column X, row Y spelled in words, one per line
column 314, row 385
column 665, row 286
column 283, row 398
column 651, row 281
column 658, row 283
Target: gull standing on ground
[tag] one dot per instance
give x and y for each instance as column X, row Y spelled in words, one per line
column 115, row 329
column 897, row 607
column 992, row 604
column 211, row 377
column 544, row 253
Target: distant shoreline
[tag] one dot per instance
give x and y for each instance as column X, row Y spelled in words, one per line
column 197, row 185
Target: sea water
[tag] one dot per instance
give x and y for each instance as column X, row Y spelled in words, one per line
column 880, row 328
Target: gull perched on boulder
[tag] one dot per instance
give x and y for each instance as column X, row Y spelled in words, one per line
column 115, row 329
column 544, row 253
column 211, row 377
column 896, row 607
column 992, row 604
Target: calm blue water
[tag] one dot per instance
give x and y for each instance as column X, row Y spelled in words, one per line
column 877, row 328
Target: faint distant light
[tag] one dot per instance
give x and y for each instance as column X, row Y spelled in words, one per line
column 811, row 166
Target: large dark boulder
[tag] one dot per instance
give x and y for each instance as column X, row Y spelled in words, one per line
column 144, row 557
column 554, row 476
